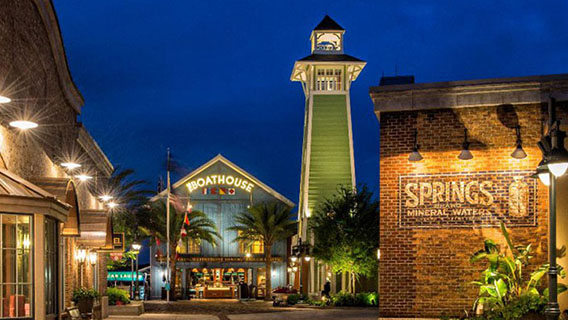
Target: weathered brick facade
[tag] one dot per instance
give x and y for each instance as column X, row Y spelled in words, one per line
column 35, row 75
column 425, row 270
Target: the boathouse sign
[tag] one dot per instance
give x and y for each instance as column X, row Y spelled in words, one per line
column 467, row 199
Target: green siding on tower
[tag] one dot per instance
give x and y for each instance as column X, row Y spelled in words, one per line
column 330, row 154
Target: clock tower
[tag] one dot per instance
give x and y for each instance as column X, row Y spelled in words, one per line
column 327, row 156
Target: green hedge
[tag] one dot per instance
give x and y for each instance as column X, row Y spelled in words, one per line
column 115, row 294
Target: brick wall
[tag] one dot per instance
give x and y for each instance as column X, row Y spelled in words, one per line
column 33, row 75
column 426, row 271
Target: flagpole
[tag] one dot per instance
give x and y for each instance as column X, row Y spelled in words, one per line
column 168, row 272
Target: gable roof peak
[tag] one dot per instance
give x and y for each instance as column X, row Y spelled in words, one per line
column 328, row 24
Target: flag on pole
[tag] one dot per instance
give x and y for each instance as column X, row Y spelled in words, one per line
column 186, row 219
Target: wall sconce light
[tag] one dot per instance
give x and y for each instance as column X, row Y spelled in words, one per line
column 23, row 124
column 307, row 258
column 465, row 154
column 4, row 99
column 105, row 197
column 81, row 255
column 293, row 258
column 519, row 153
column 378, row 254
column 93, row 258
column 70, row 165
column 83, row 177
column 415, row 155
column 294, row 268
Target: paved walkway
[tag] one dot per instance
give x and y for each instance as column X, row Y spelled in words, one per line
column 313, row 314
column 253, row 310
column 166, row 316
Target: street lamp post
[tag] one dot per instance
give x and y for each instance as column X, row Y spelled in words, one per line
column 136, row 250
column 299, row 251
column 131, row 278
column 555, row 161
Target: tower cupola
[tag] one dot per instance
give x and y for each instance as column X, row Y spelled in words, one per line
column 327, row 37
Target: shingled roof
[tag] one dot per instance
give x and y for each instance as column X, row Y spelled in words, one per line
column 330, row 57
column 328, row 24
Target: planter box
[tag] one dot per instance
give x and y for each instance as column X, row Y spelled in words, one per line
column 133, row 309
column 534, row 316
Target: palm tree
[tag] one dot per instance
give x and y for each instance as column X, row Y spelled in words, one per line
column 266, row 222
column 128, row 194
column 153, row 224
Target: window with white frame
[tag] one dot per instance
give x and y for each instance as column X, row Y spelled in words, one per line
column 328, row 79
column 16, row 267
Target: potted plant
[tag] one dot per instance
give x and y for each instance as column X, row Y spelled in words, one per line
column 85, row 299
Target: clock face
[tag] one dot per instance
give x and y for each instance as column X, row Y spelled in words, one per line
column 328, row 42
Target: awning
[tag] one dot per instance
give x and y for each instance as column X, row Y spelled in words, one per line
column 96, row 229
column 18, row 195
column 64, row 189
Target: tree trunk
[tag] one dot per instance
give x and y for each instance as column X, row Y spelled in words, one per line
column 268, row 267
column 354, row 280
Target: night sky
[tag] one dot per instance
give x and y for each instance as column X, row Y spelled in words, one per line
column 209, row 77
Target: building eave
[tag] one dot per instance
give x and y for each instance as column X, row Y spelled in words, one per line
column 220, row 158
column 468, row 93
column 94, row 152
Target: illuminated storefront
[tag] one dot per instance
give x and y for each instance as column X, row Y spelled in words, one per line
column 221, row 190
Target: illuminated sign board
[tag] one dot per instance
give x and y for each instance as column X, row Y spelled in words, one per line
column 191, row 258
column 472, row 199
column 218, row 179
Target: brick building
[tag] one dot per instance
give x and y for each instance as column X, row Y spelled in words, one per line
column 436, row 212
column 51, row 213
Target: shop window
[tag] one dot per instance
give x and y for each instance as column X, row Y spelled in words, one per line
column 328, row 79
column 16, row 267
column 51, row 267
column 257, row 247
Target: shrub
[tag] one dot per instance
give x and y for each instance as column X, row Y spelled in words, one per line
column 367, row 299
column 294, row 298
column 84, row 293
column 343, row 299
column 297, row 297
column 516, row 308
column 115, row 295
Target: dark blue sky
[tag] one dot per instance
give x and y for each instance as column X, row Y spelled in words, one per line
column 209, row 77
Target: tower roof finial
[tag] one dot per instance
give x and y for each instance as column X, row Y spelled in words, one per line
column 328, row 24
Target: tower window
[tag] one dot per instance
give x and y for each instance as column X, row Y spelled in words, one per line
column 328, row 79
